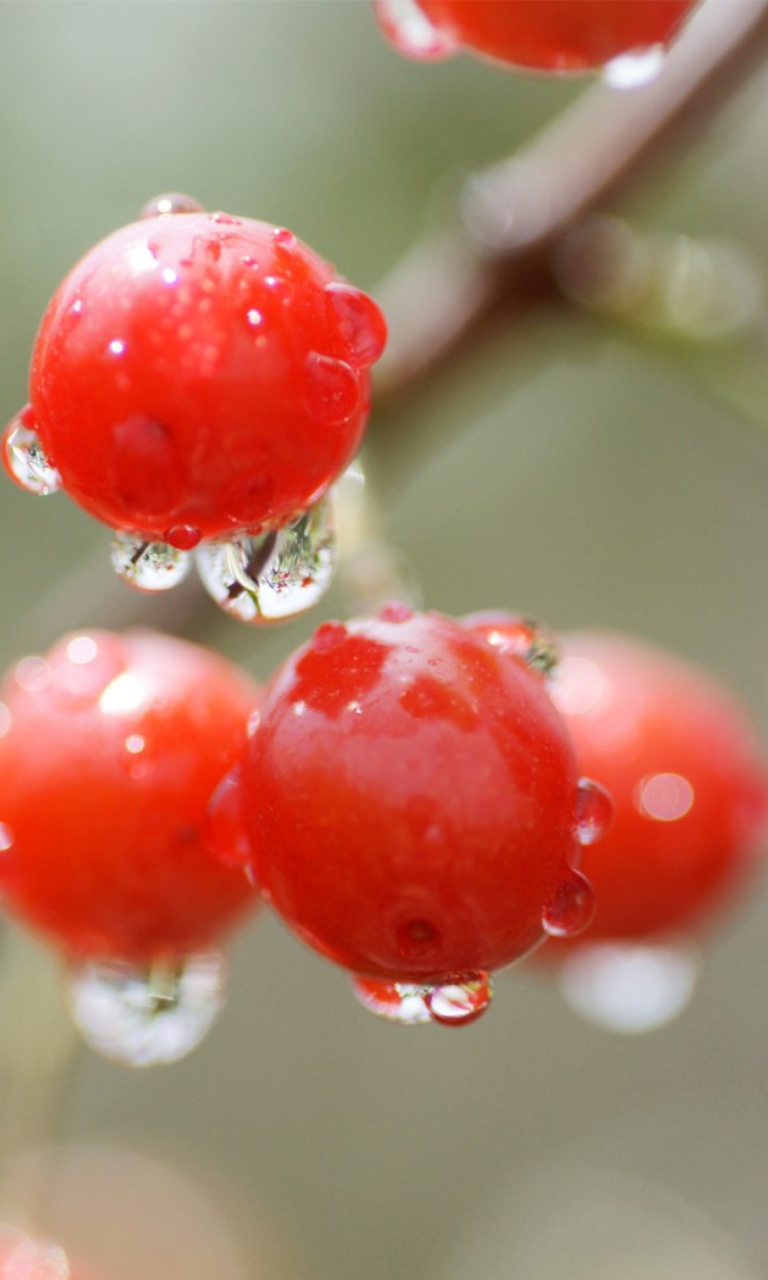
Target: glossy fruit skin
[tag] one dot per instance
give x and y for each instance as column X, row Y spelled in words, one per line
column 688, row 778
column 204, row 372
column 112, row 746
column 409, row 796
column 557, row 35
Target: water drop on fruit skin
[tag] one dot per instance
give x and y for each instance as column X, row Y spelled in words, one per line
column 333, row 389
column 409, row 29
column 146, row 1017
column 224, row 832
column 571, row 909
column 360, row 324
column 459, row 1000
column 148, row 566
column 169, row 203
column 594, row 811
column 184, row 537
column 400, row 1002
column 24, row 459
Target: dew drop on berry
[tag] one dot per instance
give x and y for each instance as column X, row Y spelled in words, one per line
column 401, row 1002
column 635, row 69
column 409, row 29
column 184, row 537
column 522, row 637
column 333, row 389
column 594, row 811
column 629, row 988
column 284, row 238
column 571, row 908
column 148, row 566
column 25, row 461
column 395, row 612
column 277, row 575
column 461, row 999
column 146, row 1016
column 359, row 322
column 170, row 202
column 329, row 635
column 224, row 829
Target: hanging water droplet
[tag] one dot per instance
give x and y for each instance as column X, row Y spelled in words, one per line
column 461, row 999
column 170, row 202
column 184, row 537
column 25, row 461
column 594, row 811
column 628, row 987
column 360, row 324
column 146, row 1017
column 571, row 908
column 275, row 576
column 405, row 24
column 148, row 566
column 401, row 1002
column 635, row 69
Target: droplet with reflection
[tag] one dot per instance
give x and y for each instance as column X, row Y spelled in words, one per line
column 408, row 28
column 148, row 566
column 401, row 1002
column 25, row 462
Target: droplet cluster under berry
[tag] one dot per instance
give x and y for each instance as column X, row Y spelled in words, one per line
column 546, row 35
column 414, row 810
column 198, row 376
column 111, row 749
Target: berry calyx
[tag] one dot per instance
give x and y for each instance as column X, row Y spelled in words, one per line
column 110, row 750
column 411, row 799
column 198, row 374
column 545, row 35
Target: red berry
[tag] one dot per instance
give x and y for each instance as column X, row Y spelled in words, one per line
column 688, row 779
column 411, row 798
column 197, row 374
column 549, row 35
column 111, row 748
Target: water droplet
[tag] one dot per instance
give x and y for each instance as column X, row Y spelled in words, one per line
column 360, row 324
column 571, row 908
column 284, row 238
column 148, row 566
column 401, row 1002
column 460, row 999
column 25, row 462
column 635, row 69
column 170, row 202
column 594, row 811
column 520, row 636
column 409, row 29
column 627, row 987
column 184, row 537
column 146, row 1017
column 224, row 830
column 275, row 576
column 395, row 612
column 333, row 389
column 329, row 635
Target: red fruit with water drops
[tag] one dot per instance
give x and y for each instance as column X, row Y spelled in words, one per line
column 688, row 778
column 196, row 374
column 411, row 798
column 547, row 35
column 110, row 749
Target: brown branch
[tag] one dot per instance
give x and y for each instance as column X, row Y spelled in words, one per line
column 443, row 293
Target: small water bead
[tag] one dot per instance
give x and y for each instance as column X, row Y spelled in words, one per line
column 333, row 389
column 525, row 638
column 629, row 988
column 636, row 69
column 170, row 202
column 361, row 325
column 409, row 29
column 146, row 1017
column 401, row 1002
column 275, row 576
column 460, row 1000
column 25, row 461
column 224, row 831
column 594, row 811
column 571, row 908
column 183, row 537
column 284, row 238
column 395, row 612
column 148, row 566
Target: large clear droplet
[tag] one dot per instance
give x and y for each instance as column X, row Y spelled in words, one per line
column 571, row 908
column 630, row 988
column 147, row 1017
column 274, row 576
column 461, row 999
column 25, row 461
column 409, row 29
column 170, row 202
column 594, row 811
column 148, row 566
column 401, row 1002
column 636, row 69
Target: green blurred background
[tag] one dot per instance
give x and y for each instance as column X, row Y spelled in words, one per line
column 591, row 472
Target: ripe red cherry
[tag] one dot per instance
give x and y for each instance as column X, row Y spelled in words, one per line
column 196, row 374
column 111, row 748
column 411, row 798
column 688, row 778
column 548, row 35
